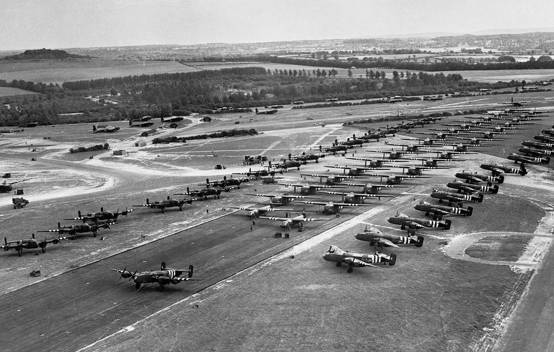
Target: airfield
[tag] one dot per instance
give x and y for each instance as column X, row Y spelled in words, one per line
column 474, row 287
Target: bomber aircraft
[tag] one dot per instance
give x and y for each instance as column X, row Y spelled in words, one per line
column 356, row 198
column 30, row 243
column 308, row 188
column 164, row 276
column 277, row 200
column 101, row 216
column 331, row 207
column 166, row 203
column 254, row 212
column 287, row 223
column 74, row 230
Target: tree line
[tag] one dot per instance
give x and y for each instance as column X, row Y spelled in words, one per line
column 506, row 64
column 163, row 95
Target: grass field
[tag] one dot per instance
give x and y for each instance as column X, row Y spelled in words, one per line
column 74, row 70
column 10, row 92
column 491, row 76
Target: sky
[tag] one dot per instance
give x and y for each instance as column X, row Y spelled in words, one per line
column 28, row 24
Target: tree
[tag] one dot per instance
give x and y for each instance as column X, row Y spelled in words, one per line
column 544, row 58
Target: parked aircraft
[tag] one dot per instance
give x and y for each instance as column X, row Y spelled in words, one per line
column 166, row 203
column 278, row 200
column 438, row 211
column 164, row 276
column 498, row 169
column 254, row 212
column 456, row 198
column 376, row 237
column 101, row 216
column 358, row 260
column 288, row 223
column 104, row 129
column 332, row 207
column 74, row 230
column 472, row 177
column 415, row 223
column 469, row 188
column 30, row 243
column 518, row 158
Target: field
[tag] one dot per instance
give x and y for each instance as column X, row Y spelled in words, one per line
column 491, row 76
column 252, row 291
column 85, row 69
column 48, row 71
column 9, row 92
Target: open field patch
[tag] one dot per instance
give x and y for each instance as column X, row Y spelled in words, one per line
column 48, row 71
column 9, row 92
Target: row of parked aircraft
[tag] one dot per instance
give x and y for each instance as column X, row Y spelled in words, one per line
column 469, row 187
column 351, row 185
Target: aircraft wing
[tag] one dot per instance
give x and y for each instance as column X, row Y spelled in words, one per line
column 290, row 184
column 333, row 192
column 314, row 202
column 387, row 242
column 414, row 224
column 274, row 218
column 315, row 175
column 358, row 158
column 358, row 262
column 291, row 196
column 56, row 240
column 179, row 278
column 261, row 195
column 243, row 208
column 315, row 219
column 439, row 211
column 474, row 179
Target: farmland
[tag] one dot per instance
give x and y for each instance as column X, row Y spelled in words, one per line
column 9, row 92
column 50, row 71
